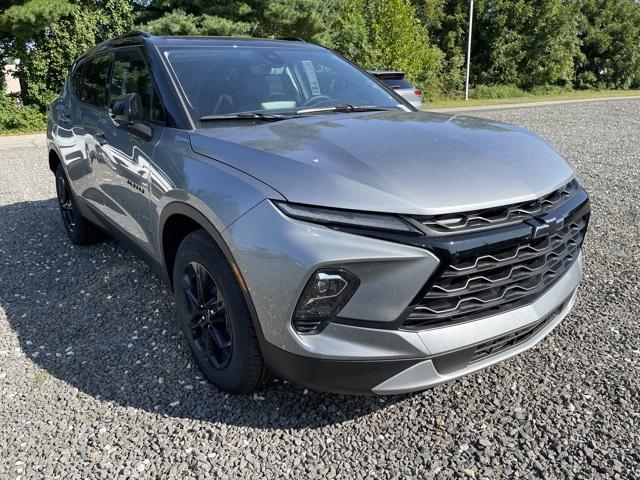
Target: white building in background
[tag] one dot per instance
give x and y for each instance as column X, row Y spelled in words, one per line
column 12, row 84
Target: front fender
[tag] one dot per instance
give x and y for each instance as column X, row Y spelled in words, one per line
column 221, row 193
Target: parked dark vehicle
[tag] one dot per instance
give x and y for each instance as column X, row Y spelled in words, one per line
column 310, row 222
column 398, row 82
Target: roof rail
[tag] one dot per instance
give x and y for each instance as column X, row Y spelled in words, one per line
column 132, row 33
column 291, row 39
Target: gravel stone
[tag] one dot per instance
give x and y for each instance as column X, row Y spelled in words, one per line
column 120, row 406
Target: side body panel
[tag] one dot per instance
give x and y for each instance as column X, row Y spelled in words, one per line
column 73, row 134
column 220, row 193
column 124, row 180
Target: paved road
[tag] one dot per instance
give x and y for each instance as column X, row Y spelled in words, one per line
column 96, row 381
column 474, row 109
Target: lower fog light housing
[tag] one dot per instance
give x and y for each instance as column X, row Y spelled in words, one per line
column 326, row 292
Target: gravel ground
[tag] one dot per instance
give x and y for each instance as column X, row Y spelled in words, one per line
column 96, row 381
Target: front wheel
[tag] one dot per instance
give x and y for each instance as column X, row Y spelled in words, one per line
column 215, row 318
column 80, row 230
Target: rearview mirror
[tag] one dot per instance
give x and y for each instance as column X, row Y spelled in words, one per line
column 126, row 109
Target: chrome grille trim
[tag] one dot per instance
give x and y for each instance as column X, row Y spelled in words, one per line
column 460, row 223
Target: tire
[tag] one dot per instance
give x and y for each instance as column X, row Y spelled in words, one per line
column 214, row 317
column 80, row 230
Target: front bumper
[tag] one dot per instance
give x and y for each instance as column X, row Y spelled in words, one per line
column 403, row 375
column 277, row 255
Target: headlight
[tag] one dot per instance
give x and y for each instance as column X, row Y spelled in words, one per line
column 346, row 218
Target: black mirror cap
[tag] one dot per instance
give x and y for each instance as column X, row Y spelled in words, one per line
column 127, row 109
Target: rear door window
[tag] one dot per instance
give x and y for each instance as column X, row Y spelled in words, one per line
column 94, row 83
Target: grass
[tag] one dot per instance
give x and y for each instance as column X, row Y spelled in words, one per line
column 529, row 97
column 15, row 133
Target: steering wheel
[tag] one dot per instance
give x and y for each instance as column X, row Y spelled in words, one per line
column 318, row 99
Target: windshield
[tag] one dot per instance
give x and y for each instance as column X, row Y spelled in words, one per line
column 226, row 80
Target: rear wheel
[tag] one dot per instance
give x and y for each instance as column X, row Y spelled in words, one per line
column 80, row 230
column 215, row 318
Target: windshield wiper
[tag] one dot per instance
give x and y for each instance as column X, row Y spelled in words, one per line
column 245, row 116
column 346, row 108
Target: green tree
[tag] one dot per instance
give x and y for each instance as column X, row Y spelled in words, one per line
column 349, row 34
column 47, row 35
column 447, row 22
column 610, row 52
column 387, row 34
column 179, row 22
column 524, row 42
column 306, row 19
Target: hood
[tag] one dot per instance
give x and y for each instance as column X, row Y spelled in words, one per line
column 397, row 162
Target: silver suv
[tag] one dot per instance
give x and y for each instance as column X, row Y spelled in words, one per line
column 310, row 222
column 398, row 82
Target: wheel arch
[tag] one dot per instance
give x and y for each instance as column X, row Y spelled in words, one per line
column 178, row 214
column 176, row 222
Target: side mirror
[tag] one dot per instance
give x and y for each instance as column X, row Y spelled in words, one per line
column 127, row 109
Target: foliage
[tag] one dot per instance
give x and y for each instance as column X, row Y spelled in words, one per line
column 549, row 90
column 524, row 42
column 16, row 118
column 24, row 17
column 518, row 45
column 398, row 40
column 46, row 37
column 349, row 32
column 386, row 34
column 447, row 22
column 610, row 36
column 273, row 18
column 178, row 22
column 306, row 19
column 497, row 91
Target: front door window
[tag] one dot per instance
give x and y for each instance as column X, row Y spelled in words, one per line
column 131, row 76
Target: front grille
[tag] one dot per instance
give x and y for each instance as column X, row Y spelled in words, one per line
column 451, row 362
column 460, row 223
column 510, row 340
column 505, row 278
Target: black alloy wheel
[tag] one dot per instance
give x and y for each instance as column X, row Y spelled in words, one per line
column 210, row 326
column 215, row 318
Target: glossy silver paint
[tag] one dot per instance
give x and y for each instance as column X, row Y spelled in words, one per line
column 409, row 94
column 424, row 374
column 393, row 162
column 396, row 162
column 278, row 255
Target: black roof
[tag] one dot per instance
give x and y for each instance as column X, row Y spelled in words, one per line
column 142, row 38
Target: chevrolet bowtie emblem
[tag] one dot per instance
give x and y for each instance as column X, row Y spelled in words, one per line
column 545, row 226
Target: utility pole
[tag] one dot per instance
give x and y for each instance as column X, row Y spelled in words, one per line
column 466, row 83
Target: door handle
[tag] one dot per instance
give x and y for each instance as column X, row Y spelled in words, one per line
column 64, row 118
column 100, row 138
